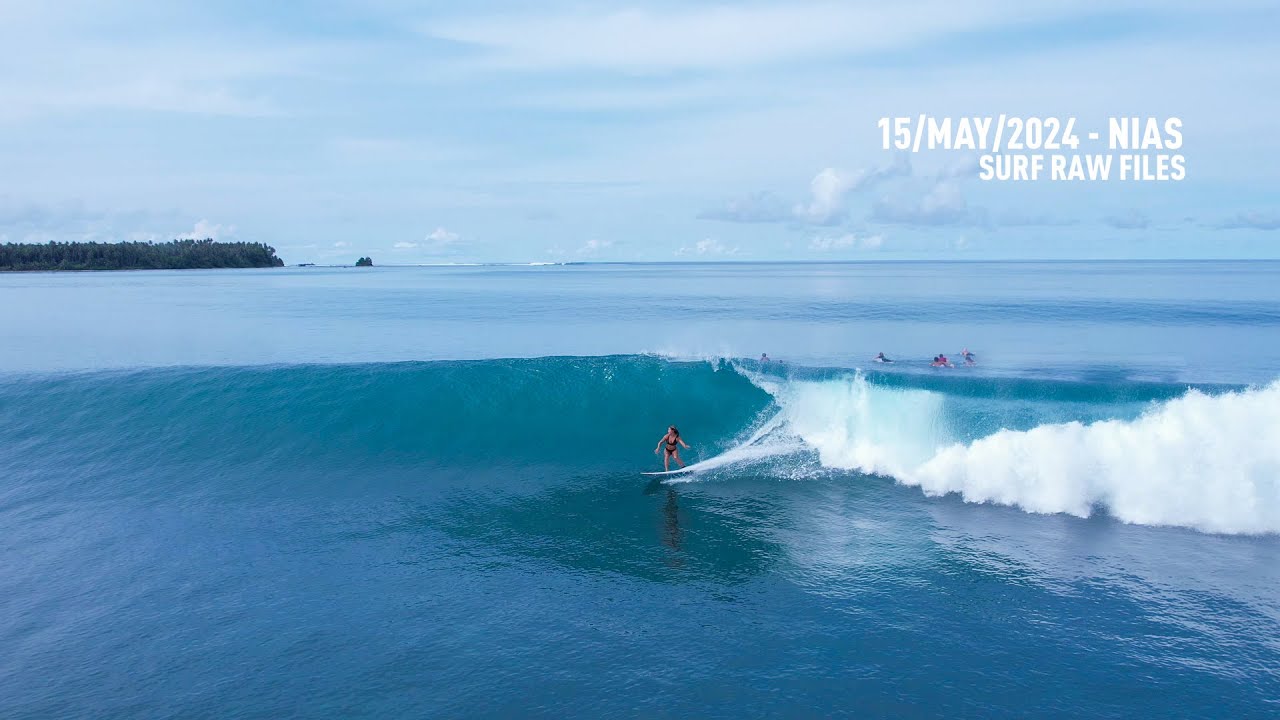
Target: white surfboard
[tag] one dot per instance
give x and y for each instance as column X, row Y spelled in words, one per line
column 677, row 471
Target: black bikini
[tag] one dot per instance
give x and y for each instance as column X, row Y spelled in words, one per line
column 672, row 447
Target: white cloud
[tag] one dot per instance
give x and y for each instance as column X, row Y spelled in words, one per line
column 440, row 241
column 943, row 204
column 708, row 246
column 204, row 229
column 441, row 237
column 828, row 204
column 825, row 243
column 828, row 243
column 594, row 246
column 831, row 188
column 1251, row 221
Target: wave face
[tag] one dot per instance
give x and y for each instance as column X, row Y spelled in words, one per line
column 1206, row 459
column 576, row 412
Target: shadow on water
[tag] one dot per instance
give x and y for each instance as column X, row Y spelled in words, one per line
column 672, row 535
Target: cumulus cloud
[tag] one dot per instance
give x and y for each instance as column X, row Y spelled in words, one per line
column 594, row 246
column 708, row 247
column 1128, row 220
column 1251, row 221
column 830, row 190
column 204, row 229
column 828, row 202
column 441, row 241
column 943, row 204
column 846, row 241
column 441, row 237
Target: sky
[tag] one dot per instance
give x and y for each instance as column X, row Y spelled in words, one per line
column 448, row 132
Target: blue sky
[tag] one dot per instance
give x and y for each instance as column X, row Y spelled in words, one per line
column 458, row 132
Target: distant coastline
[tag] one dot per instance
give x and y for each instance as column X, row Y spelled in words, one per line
column 172, row 255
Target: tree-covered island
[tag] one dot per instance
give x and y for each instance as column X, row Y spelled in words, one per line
column 173, row 255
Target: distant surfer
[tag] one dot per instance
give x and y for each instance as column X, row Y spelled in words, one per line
column 881, row 358
column 969, row 359
column 673, row 442
column 941, row 361
column 764, row 357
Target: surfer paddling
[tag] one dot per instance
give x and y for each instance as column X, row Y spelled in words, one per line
column 673, row 443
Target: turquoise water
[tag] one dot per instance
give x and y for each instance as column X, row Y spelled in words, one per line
column 414, row 492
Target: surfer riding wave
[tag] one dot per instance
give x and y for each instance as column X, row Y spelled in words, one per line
column 673, row 443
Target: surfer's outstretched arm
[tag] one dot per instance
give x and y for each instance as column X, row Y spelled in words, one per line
column 682, row 442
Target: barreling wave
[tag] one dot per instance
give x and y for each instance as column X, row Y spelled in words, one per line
column 1207, row 459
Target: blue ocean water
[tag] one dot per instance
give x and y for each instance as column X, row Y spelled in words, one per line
column 408, row 492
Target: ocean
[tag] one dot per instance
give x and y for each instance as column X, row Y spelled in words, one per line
column 417, row 491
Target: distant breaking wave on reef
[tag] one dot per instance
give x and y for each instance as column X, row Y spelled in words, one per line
column 1206, row 459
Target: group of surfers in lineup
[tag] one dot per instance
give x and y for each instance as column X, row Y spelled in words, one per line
column 671, row 443
column 939, row 360
column 942, row 361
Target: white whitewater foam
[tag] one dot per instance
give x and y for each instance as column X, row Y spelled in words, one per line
column 1200, row 461
column 1208, row 462
column 854, row 425
column 767, row 441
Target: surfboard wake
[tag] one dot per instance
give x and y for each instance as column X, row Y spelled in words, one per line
column 765, row 442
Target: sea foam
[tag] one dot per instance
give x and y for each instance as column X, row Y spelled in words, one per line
column 1208, row 462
